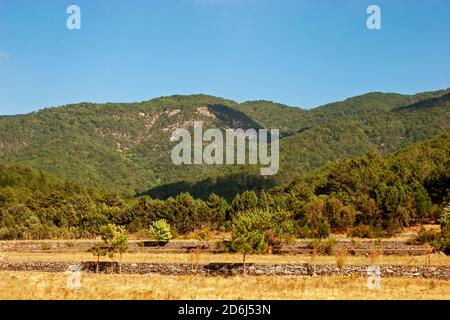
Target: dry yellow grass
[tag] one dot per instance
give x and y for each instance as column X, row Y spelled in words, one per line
column 435, row 259
column 35, row 286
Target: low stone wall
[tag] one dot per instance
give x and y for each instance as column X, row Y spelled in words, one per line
column 230, row 269
column 363, row 247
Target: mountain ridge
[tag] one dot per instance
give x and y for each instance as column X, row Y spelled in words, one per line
column 127, row 145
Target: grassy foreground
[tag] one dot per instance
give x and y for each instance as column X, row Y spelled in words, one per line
column 434, row 259
column 34, row 285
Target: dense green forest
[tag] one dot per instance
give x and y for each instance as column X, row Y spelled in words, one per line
column 125, row 148
column 369, row 196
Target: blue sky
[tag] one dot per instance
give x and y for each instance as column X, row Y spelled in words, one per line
column 301, row 53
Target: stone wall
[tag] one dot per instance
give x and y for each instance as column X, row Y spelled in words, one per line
column 230, row 269
column 385, row 247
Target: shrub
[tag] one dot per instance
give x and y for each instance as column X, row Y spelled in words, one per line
column 304, row 232
column 444, row 219
column 426, row 237
column 322, row 246
column 340, row 255
column 6, row 234
column 160, row 230
column 324, row 230
column 445, row 245
column 367, row 232
column 202, row 234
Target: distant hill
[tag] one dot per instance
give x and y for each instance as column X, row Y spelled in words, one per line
column 126, row 147
column 375, row 194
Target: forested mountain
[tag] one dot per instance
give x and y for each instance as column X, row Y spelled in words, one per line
column 371, row 195
column 126, row 147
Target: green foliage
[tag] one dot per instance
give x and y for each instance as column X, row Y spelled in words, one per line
column 218, row 211
column 245, row 201
column 269, row 228
column 322, row 246
column 161, row 231
column 444, row 219
column 99, row 250
column 368, row 232
column 114, row 240
column 390, row 192
column 126, row 147
column 246, row 237
column 426, row 237
column 324, row 230
column 202, row 234
column 383, row 194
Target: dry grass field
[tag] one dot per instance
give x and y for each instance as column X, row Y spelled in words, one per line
column 35, row 286
column 53, row 286
column 434, row 259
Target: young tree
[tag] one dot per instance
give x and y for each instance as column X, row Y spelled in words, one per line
column 203, row 235
column 258, row 230
column 99, row 250
column 245, row 201
column 115, row 240
column 160, row 230
column 445, row 218
column 277, row 226
column 218, row 209
column 246, row 239
column 119, row 243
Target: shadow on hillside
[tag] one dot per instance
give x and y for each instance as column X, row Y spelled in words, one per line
column 233, row 118
column 425, row 104
column 225, row 186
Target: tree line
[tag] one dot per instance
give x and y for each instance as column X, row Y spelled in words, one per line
column 371, row 196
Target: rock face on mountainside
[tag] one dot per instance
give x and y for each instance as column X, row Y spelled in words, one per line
column 127, row 147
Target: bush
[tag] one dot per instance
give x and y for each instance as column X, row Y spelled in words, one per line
column 304, row 232
column 324, row 230
column 202, row 234
column 6, row 234
column 322, row 246
column 444, row 245
column 277, row 226
column 160, row 230
column 427, row 237
column 367, row 232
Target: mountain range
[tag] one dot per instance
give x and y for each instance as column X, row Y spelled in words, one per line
column 126, row 146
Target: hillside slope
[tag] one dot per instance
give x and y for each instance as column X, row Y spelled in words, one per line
column 127, row 147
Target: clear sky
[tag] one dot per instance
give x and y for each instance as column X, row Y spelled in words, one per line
column 301, row 53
